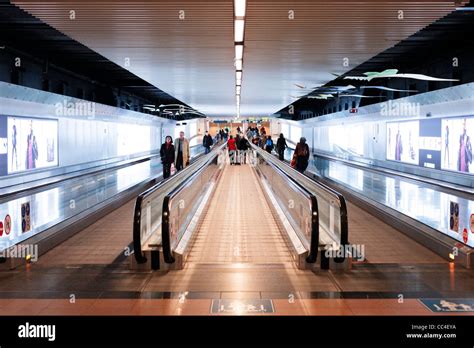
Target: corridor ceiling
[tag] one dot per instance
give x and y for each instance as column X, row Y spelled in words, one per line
column 186, row 48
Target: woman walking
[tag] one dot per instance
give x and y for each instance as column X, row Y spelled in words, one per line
column 167, row 156
column 281, row 146
column 302, row 155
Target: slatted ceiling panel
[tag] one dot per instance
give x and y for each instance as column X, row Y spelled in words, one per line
column 306, row 50
column 193, row 59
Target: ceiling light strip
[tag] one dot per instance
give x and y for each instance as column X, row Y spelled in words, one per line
column 240, row 8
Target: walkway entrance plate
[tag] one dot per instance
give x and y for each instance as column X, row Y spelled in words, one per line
column 448, row 305
column 242, row 306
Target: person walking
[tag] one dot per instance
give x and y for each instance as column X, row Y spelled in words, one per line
column 237, row 152
column 181, row 146
column 244, row 147
column 207, row 142
column 249, row 133
column 269, row 144
column 167, row 156
column 232, row 149
column 281, row 146
column 302, row 155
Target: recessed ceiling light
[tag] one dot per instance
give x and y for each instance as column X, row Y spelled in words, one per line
column 239, row 30
column 238, row 64
column 239, row 52
column 239, row 8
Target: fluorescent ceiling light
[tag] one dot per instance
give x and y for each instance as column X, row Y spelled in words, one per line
column 238, row 64
column 239, row 30
column 239, row 8
column 238, row 82
column 238, row 75
column 237, row 89
column 239, row 52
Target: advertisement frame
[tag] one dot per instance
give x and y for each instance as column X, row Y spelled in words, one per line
column 22, row 172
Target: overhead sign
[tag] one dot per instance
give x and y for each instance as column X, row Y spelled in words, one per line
column 242, row 306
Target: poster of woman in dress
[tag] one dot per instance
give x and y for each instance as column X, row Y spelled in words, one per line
column 458, row 144
column 403, row 141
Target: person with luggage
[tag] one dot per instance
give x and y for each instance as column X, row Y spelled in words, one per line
column 269, row 144
column 301, row 156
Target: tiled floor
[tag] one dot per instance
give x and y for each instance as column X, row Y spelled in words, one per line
column 383, row 243
column 100, row 243
column 186, row 306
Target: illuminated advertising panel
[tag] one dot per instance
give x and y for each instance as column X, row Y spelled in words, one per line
column 403, row 141
column 456, row 143
column 347, row 140
column 433, row 143
column 27, row 144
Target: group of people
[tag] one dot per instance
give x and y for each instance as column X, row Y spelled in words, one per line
column 238, row 147
column 177, row 153
column 222, row 135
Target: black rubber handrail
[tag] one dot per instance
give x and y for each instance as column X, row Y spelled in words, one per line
column 165, row 218
column 314, row 240
column 137, row 242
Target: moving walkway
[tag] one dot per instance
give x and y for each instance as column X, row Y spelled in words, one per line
column 311, row 217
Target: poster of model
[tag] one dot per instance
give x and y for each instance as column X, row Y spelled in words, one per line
column 32, row 143
column 3, row 146
column 403, row 141
column 457, row 133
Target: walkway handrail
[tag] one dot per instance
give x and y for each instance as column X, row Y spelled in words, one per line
column 344, row 228
column 137, row 217
column 314, row 239
column 165, row 219
column 342, row 205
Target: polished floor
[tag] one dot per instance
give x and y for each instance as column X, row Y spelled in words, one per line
column 331, row 307
column 58, row 202
column 422, row 202
column 90, row 273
